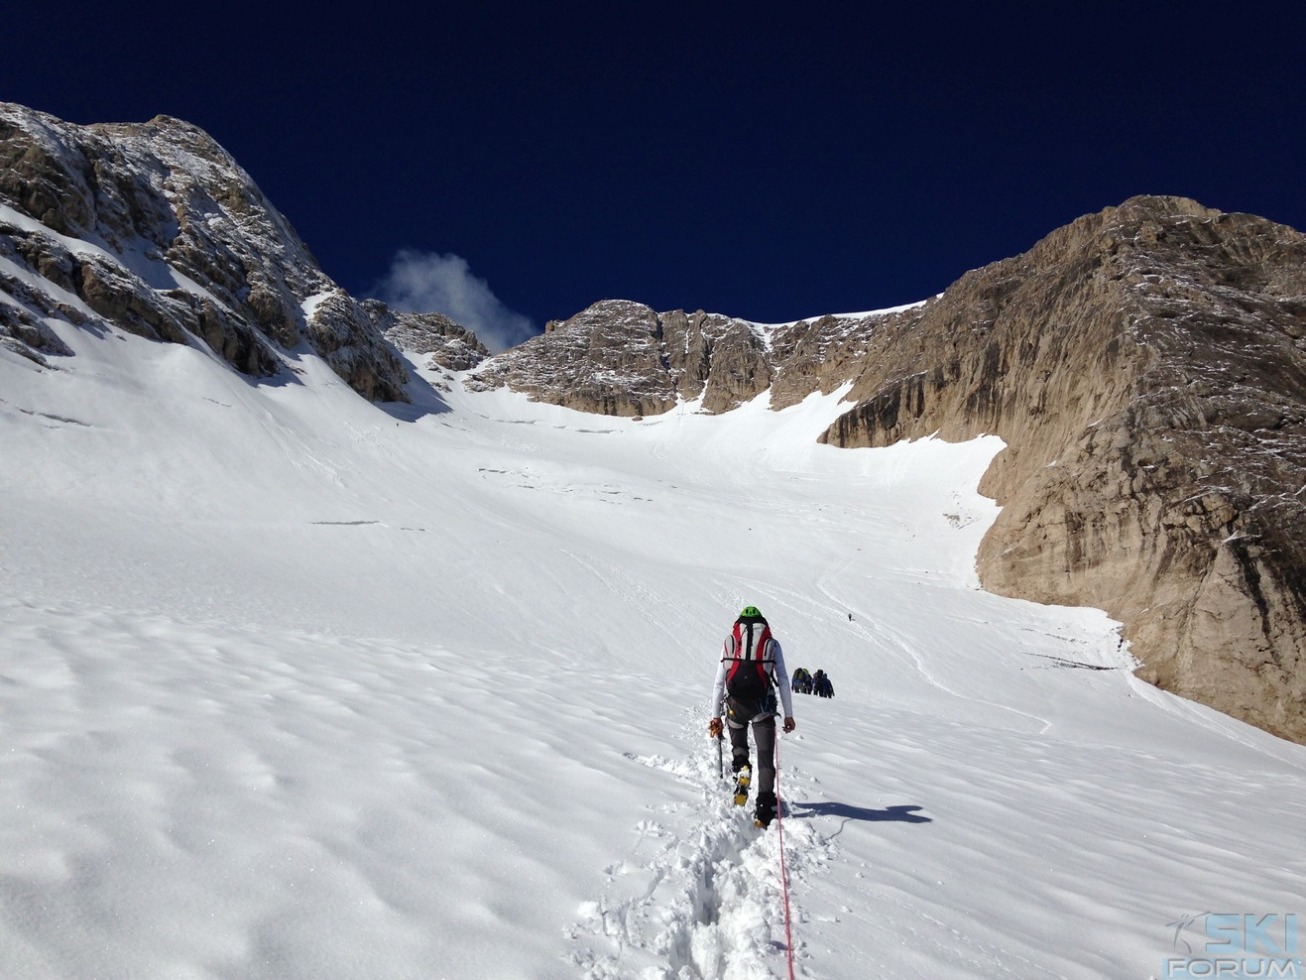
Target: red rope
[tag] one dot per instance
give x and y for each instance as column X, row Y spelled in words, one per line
column 784, row 873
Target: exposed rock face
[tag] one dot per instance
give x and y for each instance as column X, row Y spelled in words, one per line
column 1147, row 369
column 621, row 358
column 447, row 344
column 154, row 229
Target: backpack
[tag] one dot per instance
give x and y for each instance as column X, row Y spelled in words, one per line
column 750, row 656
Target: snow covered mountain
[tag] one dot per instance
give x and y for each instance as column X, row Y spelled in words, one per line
column 155, row 229
column 294, row 683
column 1145, row 366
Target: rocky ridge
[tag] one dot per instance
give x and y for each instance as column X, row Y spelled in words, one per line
column 154, row 229
column 1147, row 369
column 621, row 358
column 445, row 344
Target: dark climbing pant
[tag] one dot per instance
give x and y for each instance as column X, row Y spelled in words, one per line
column 764, row 736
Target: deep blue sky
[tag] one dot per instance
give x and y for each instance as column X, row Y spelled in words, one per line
column 760, row 161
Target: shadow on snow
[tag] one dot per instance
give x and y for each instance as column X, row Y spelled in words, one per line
column 896, row 814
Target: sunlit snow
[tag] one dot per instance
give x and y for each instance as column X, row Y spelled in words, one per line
column 295, row 686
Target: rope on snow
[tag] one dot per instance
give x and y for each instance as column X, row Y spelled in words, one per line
column 784, row 873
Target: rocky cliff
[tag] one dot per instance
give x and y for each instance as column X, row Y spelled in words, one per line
column 1147, row 369
column 621, row 358
column 154, row 229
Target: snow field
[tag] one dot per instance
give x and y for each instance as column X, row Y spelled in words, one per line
column 295, row 686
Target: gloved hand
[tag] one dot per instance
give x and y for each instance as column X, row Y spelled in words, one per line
column 790, row 725
column 715, row 728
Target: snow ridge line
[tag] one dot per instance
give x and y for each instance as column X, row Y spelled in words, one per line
column 702, row 893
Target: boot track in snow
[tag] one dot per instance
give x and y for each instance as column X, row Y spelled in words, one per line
column 700, row 894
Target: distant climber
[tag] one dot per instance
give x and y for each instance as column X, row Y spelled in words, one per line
column 821, row 685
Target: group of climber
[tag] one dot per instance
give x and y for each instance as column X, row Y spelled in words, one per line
column 809, row 683
column 750, row 676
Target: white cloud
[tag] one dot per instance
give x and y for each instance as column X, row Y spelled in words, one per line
column 425, row 282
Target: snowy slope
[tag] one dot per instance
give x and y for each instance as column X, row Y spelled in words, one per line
column 293, row 687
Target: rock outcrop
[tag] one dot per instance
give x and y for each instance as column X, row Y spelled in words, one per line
column 621, row 358
column 445, row 344
column 154, row 229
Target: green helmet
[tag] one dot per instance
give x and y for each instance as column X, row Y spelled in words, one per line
column 750, row 612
